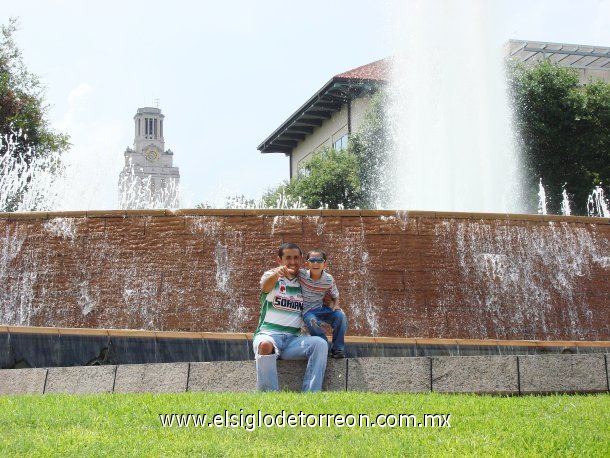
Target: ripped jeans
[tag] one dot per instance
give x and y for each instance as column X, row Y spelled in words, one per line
column 325, row 314
column 287, row 346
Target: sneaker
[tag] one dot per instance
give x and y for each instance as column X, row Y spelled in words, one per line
column 337, row 354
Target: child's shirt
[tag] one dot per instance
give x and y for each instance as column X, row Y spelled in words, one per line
column 315, row 290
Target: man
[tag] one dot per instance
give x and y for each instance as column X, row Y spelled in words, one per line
column 279, row 328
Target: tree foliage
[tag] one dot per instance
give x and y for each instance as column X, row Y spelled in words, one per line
column 281, row 196
column 355, row 177
column 564, row 131
column 330, row 179
column 25, row 133
column 372, row 145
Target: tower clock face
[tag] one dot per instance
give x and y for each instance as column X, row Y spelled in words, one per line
column 151, row 153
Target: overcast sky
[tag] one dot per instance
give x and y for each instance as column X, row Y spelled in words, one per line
column 225, row 73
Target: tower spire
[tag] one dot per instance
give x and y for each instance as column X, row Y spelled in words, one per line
column 149, row 179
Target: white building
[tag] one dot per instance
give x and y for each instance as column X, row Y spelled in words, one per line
column 336, row 110
column 330, row 116
column 149, row 179
column 591, row 62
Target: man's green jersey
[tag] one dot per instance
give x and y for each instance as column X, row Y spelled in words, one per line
column 281, row 307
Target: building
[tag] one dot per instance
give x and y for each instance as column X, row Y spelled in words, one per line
column 148, row 178
column 338, row 108
column 329, row 116
column 591, row 62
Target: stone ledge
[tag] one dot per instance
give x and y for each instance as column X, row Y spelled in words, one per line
column 222, row 376
column 106, row 213
column 151, row 378
column 460, row 374
column 67, row 214
column 16, row 216
column 601, row 344
column 291, row 374
column 80, row 380
column 22, row 381
column 241, row 375
column 475, row 374
column 393, row 374
column 563, row 374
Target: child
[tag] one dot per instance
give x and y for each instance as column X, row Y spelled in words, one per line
column 316, row 283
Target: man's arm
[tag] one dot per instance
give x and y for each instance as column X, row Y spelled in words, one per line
column 335, row 304
column 269, row 281
column 332, row 302
column 333, row 292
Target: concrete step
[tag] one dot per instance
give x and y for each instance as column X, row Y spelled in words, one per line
column 541, row 374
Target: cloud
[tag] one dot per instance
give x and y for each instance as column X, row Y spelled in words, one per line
column 78, row 100
column 94, row 160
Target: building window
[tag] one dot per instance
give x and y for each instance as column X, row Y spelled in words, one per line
column 139, row 127
column 341, row 143
column 301, row 170
column 161, row 126
column 148, row 127
column 155, row 128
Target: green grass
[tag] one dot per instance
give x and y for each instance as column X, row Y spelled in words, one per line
column 129, row 425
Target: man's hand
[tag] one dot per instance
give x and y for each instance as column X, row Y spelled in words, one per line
column 329, row 301
column 281, row 271
column 284, row 271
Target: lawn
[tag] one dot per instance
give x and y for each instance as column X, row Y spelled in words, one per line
column 129, row 425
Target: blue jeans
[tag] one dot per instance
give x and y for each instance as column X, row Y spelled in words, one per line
column 325, row 314
column 287, row 346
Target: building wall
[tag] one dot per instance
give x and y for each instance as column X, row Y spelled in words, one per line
column 588, row 67
column 418, row 274
column 329, row 132
column 585, row 76
column 360, row 108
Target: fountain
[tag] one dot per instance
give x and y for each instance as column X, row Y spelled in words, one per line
column 565, row 203
column 597, row 204
column 27, row 182
column 452, row 123
column 541, row 199
column 434, row 273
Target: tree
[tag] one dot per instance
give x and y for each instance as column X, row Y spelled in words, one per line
column 564, row 132
column 595, row 132
column 25, row 133
column 355, row 177
column 281, row 196
column 372, row 145
column 330, row 179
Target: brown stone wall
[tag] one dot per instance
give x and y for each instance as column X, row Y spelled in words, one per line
column 418, row 274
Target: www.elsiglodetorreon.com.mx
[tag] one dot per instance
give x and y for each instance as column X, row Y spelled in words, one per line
column 252, row 421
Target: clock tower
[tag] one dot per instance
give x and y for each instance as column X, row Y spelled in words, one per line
column 148, row 179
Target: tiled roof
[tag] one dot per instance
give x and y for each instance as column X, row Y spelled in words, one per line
column 380, row 70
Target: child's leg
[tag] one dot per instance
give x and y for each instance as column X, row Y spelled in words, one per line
column 338, row 321
column 312, row 321
column 335, row 318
